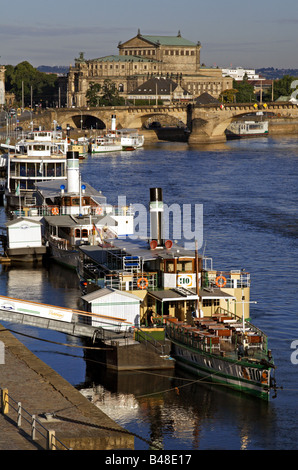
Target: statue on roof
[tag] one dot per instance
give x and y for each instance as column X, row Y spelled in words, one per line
column 81, row 57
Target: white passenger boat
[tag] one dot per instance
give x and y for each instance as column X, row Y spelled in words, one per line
column 130, row 139
column 246, row 129
column 117, row 139
column 40, row 156
column 104, row 144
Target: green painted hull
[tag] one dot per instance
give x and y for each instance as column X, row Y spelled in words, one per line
column 241, row 375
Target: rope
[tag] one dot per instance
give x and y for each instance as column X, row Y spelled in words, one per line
column 56, row 342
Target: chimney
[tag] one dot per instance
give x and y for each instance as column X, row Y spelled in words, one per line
column 113, row 125
column 73, row 172
column 156, row 218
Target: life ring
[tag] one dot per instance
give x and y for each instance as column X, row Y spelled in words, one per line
column 264, row 377
column 98, row 210
column 55, row 211
column 142, row 283
column 245, row 373
column 220, row 281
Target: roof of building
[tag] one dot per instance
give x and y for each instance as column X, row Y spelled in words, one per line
column 168, row 40
column 205, row 98
column 74, row 221
column 122, row 58
column 22, row 219
column 159, row 85
column 97, row 294
column 189, row 294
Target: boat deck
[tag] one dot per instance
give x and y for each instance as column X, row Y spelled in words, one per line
column 220, row 334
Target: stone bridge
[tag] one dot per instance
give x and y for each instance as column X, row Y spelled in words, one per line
column 207, row 123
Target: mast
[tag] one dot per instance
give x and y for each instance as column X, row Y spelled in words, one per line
column 197, row 279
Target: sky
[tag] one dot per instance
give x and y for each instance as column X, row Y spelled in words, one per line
column 254, row 34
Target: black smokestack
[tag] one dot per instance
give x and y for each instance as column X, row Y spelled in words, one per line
column 156, row 217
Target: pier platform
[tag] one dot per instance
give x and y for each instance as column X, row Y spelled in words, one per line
column 76, row 423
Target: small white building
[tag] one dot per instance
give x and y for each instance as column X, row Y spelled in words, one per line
column 239, row 73
column 24, row 240
column 113, row 309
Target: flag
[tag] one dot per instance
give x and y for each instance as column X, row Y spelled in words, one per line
column 18, row 190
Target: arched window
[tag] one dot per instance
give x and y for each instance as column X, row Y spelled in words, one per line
column 84, row 233
column 121, row 87
column 77, row 233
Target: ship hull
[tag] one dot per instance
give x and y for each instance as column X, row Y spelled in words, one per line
column 239, row 375
column 67, row 258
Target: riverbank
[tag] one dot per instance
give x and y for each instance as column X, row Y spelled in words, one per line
column 77, row 423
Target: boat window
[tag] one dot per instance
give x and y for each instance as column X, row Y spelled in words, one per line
column 66, row 201
column 84, row 233
column 50, row 169
column 23, row 169
column 30, row 169
column 210, row 302
column 77, row 233
column 59, row 169
column 170, row 266
column 184, row 266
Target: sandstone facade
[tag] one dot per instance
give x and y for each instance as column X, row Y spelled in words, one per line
column 144, row 57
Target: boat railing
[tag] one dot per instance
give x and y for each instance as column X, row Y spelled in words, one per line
column 144, row 337
column 192, row 336
column 250, row 330
column 226, row 279
column 223, row 331
column 60, row 243
column 132, row 281
column 31, row 209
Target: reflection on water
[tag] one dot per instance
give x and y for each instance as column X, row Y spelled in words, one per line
column 172, row 411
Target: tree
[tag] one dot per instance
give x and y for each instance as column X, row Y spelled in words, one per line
column 92, row 94
column 24, row 77
column 110, row 95
column 228, row 96
column 245, row 91
column 282, row 87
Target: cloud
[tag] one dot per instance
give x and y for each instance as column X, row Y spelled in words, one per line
column 53, row 30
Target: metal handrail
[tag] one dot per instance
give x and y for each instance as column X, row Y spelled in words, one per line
column 148, row 339
column 49, row 435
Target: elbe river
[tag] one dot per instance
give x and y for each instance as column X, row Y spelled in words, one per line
column 248, row 190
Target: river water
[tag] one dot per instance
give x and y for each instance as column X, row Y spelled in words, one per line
column 248, row 190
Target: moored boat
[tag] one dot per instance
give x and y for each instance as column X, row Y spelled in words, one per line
column 205, row 312
column 104, row 144
column 40, row 156
column 224, row 350
column 81, row 146
column 246, row 129
column 77, row 214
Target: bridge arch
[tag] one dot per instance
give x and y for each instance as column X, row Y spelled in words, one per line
column 145, row 120
column 85, row 121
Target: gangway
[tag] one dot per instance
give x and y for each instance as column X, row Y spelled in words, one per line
column 65, row 320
